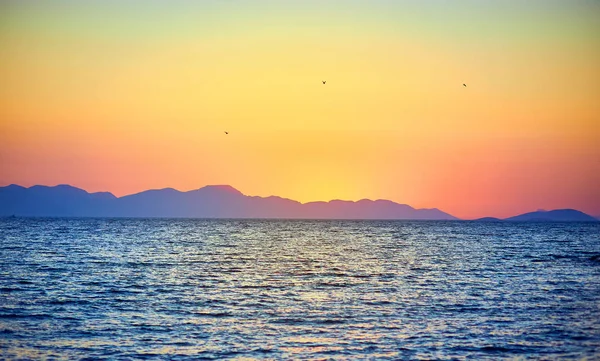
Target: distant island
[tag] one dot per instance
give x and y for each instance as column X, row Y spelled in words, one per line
column 557, row 215
column 223, row 201
column 562, row 215
column 488, row 219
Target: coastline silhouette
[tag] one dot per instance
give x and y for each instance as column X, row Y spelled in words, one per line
column 221, row 201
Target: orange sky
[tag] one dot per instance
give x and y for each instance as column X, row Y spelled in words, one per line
column 124, row 97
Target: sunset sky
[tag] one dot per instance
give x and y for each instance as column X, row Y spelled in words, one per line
column 128, row 96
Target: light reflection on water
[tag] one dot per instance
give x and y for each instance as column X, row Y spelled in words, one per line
column 252, row 289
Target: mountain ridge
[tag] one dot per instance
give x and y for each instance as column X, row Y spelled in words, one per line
column 225, row 201
column 211, row 201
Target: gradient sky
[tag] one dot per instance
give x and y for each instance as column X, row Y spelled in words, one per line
column 124, row 96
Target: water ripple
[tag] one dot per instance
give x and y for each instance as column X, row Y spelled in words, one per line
column 257, row 289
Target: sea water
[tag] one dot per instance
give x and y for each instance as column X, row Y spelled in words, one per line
column 296, row 289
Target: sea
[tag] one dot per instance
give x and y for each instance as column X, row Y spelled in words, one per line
column 192, row 289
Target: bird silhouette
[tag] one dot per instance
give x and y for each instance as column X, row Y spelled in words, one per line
column 226, row 132
column 324, row 81
column 465, row 85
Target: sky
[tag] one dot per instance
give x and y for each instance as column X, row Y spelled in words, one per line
column 124, row 96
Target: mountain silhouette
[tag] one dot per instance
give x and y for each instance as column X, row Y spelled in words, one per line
column 557, row 215
column 216, row 201
column 223, row 201
column 488, row 219
column 61, row 200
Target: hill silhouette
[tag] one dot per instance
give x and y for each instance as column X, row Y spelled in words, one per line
column 488, row 219
column 224, row 201
column 216, row 201
column 561, row 215
column 557, row 215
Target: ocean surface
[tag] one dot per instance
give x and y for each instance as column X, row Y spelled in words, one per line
column 293, row 289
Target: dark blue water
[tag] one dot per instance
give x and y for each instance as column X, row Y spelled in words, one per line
column 252, row 289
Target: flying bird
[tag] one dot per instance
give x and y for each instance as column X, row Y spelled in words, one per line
column 465, row 85
column 226, row 132
column 324, row 81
